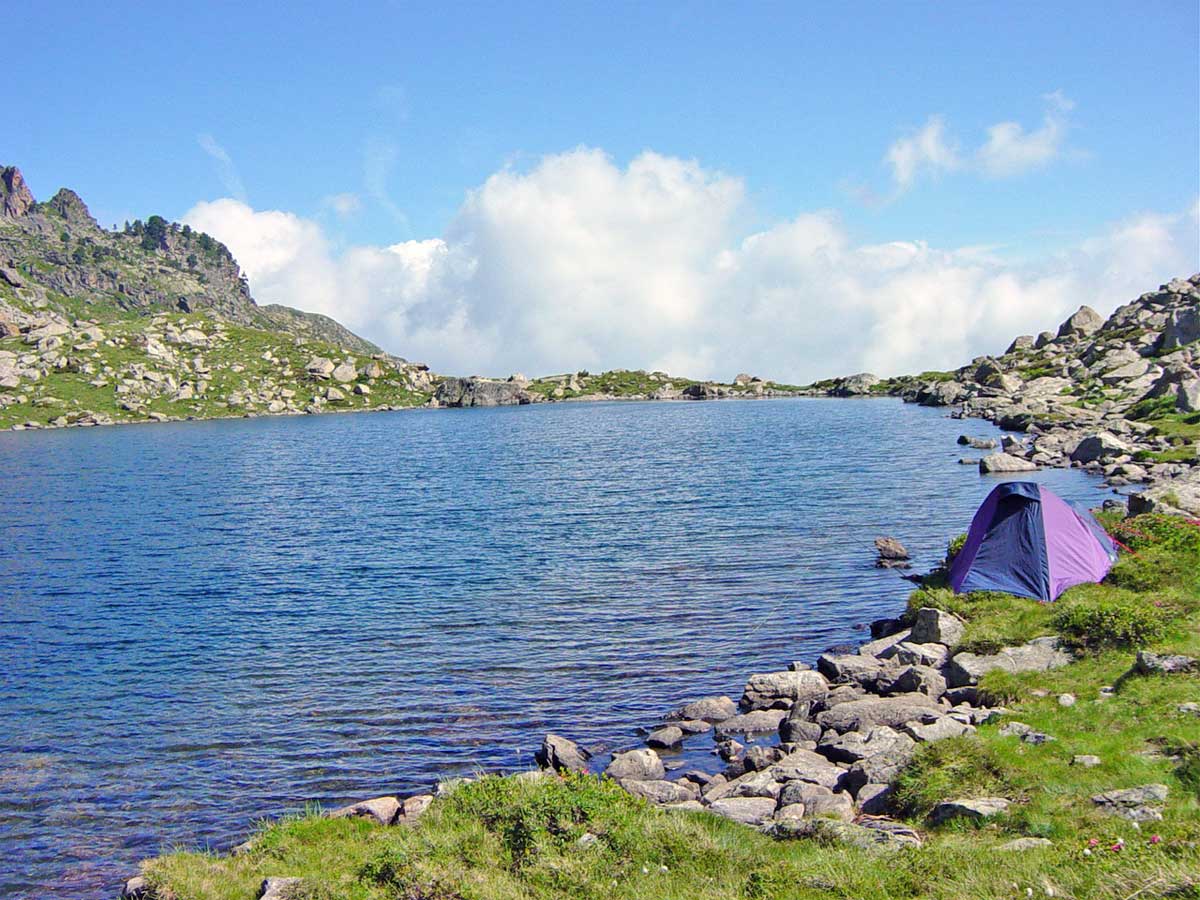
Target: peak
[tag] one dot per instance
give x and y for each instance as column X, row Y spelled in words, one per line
column 69, row 205
column 15, row 197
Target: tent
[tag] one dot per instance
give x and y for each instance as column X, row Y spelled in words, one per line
column 1026, row 540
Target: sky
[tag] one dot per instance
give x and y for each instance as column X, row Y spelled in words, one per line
column 791, row 190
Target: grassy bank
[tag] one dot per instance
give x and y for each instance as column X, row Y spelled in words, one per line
column 583, row 837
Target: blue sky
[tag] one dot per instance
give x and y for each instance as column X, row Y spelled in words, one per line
column 393, row 112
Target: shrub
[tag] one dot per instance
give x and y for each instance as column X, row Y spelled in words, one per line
column 1116, row 620
column 955, row 767
column 953, row 548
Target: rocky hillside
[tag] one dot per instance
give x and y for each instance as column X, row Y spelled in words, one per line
column 1117, row 396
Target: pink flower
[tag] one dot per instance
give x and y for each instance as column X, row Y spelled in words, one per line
column 1154, row 838
column 1094, row 842
column 1117, row 847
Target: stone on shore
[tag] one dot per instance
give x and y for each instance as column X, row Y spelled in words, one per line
column 667, row 736
column 936, row 626
column 383, row 810
column 710, row 709
column 783, row 689
column 562, row 755
column 1039, row 655
column 861, row 715
column 637, row 765
column 1000, row 463
column 661, row 791
column 759, row 721
column 817, row 800
column 747, row 810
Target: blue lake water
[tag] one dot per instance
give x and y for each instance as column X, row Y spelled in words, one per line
column 202, row 624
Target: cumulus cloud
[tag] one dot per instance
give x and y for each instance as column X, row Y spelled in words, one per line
column 226, row 171
column 580, row 263
column 1009, row 149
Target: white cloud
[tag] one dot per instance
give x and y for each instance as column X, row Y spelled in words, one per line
column 226, row 171
column 928, row 150
column 1009, row 149
column 580, row 263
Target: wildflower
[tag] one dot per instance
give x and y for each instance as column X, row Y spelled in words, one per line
column 1118, row 846
column 1094, row 842
column 1154, row 838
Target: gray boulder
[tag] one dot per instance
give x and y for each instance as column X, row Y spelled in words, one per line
column 975, row 810
column 852, row 667
column 854, row 385
column 864, row 714
column 1179, row 496
column 661, row 791
column 817, row 800
column 936, row 728
column 1138, row 804
column 1081, row 323
column 783, row 689
column 1182, row 328
column 280, row 888
column 798, row 727
column 1039, row 655
column 1099, row 446
column 936, row 626
column 710, row 709
column 854, row 746
column 908, row 653
column 747, row 810
column 384, row 810
column 759, row 721
column 804, row 765
column 1148, row 663
column 997, row 463
column 667, row 736
column 463, row 392
column 562, row 755
column 914, row 680
column 637, row 765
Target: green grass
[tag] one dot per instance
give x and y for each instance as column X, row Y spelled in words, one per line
column 520, row 839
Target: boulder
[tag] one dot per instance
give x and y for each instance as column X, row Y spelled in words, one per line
column 759, row 721
column 1086, row 760
column 710, row 709
column 861, row 715
column 974, row 810
column 783, row 689
column 1020, row 342
column 1176, row 497
column 854, row 746
column 817, row 800
column 854, row 385
column 874, row 799
column 882, row 646
column 137, row 888
column 998, row 463
column 1148, row 663
column 280, row 888
column 1099, row 446
column 935, row 728
column 747, row 810
column 804, row 765
column 415, row 806
column 882, row 767
column 319, row 367
column 562, row 755
column 868, row 834
column 914, row 680
column 637, row 765
column 852, row 667
column 908, row 653
column 464, row 392
column 1081, row 323
column 1183, row 327
column 892, row 554
column 1138, row 804
column 661, row 791
column 383, row 810
column 345, row 372
column 936, row 626
column 798, row 727
column 667, row 736
column 1039, row 655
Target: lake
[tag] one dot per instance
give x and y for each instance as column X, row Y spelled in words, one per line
column 206, row 623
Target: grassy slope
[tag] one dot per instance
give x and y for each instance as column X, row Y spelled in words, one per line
column 244, row 346
column 503, row 838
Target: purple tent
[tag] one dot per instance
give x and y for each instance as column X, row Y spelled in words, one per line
column 1028, row 541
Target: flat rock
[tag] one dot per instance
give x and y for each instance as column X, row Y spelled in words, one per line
column 747, row 810
column 782, row 689
column 973, row 809
column 760, row 721
column 868, row 834
column 861, row 715
column 1086, row 760
column 1003, row 463
column 383, row 810
column 1139, row 804
column 1160, row 664
column 805, row 765
column 638, row 765
column 817, row 800
column 667, row 736
column 1039, row 655
column 909, row 653
column 709, row 709
column 939, row 729
column 660, row 790
column 855, row 668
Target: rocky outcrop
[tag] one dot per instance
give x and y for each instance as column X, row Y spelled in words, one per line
column 462, row 392
column 16, row 200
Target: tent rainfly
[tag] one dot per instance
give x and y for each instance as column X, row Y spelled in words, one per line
column 1026, row 540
